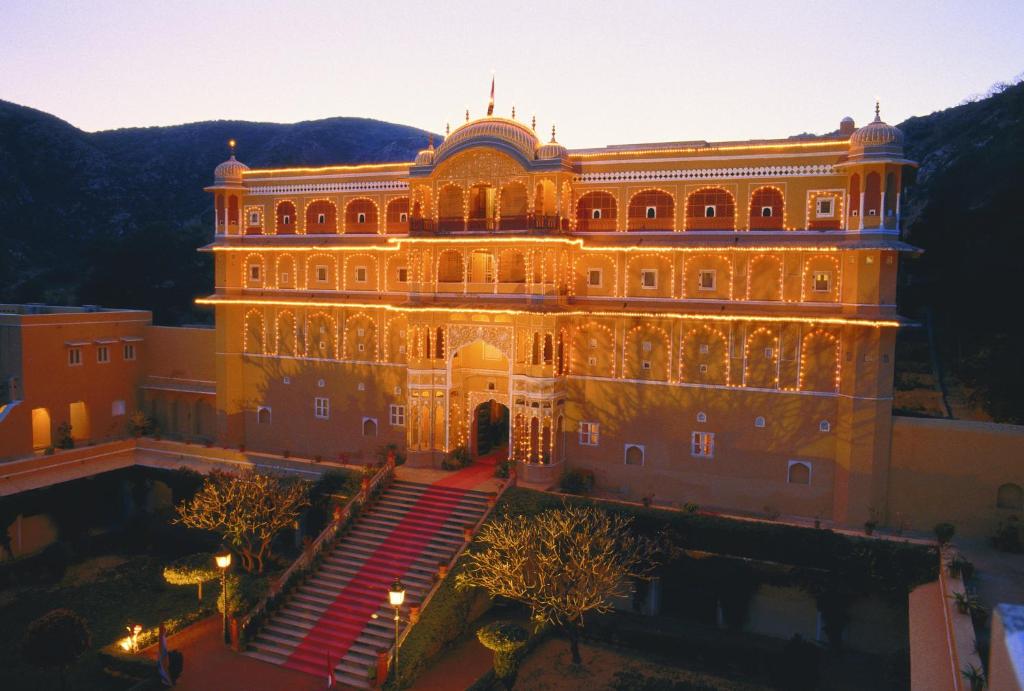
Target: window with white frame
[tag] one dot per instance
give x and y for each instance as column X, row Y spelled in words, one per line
column 321, row 273
column 594, row 278
column 74, row 356
column 824, row 426
column 652, row 212
column 361, row 217
column 360, row 274
column 403, row 217
column 766, row 212
column 702, row 417
column 263, row 415
column 706, row 279
column 369, row 427
column 768, row 352
column 403, row 275
column 254, row 218
column 103, row 354
column 633, row 454
column 254, row 272
column 129, row 351
column 646, row 346
column 709, row 211
column 702, row 444
column 824, row 207
column 322, row 408
column 117, row 408
column 759, row 421
column 822, row 281
column 703, row 369
column 704, row 349
column 798, row 473
column 596, row 214
column 592, row 361
column 396, row 415
column 590, row 433
column 285, row 279
column 286, row 219
column 649, row 278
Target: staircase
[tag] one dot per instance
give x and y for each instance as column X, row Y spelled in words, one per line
column 340, row 617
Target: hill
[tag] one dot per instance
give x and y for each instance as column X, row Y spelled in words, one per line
column 83, row 215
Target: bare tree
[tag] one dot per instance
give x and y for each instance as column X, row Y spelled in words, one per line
column 563, row 563
column 247, row 510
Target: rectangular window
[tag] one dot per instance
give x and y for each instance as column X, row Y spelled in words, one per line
column 822, row 281
column 594, row 278
column 285, row 278
column 403, row 275
column 403, row 217
column 702, row 444
column 117, row 408
column 74, row 356
column 322, row 408
column 321, row 218
column 706, row 279
column 646, row 346
column 589, row 433
column 129, row 351
column 360, row 274
column 396, row 414
column 286, row 220
column 254, row 219
column 254, row 272
column 321, row 273
column 103, row 354
column 824, row 207
column 592, row 361
column 649, row 278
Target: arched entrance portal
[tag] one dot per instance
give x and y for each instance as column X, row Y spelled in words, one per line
column 490, row 429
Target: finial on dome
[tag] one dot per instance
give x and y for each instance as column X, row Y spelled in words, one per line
column 533, row 123
column 467, row 114
column 447, row 129
column 878, row 117
column 231, row 146
column 490, row 103
column 430, row 141
column 553, row 134
column 513, row 112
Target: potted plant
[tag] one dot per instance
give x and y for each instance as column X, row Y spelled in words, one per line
column 974, row 676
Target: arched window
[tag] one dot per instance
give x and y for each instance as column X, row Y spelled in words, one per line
column 369, row 427
column 766, row 209
column 535, row 359
column 321, row 218
column 398, row 215
column 596, row 211
column 233, row 210
column 854, row 194
column 1010, row 496
column 263, row 415
column 450, row 208
column 439, row 344
column 634, row 454
column 361, row 216
column 548, row 349
column 651, row 210
column 285, row 216
column 711, row 208
column 872, row 194
column 799, row 473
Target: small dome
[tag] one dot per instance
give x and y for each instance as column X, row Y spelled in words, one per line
column 230, row 171
column 552, row 149
column 877, row 133
column 425, row 157
column 516, row 134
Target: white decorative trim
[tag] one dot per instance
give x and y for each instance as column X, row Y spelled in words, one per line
column 708, row 174
column 320, row 187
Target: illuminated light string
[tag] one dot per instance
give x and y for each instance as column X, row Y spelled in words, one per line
column 568, row 313
column 685, row 292
column 837, row 197
column 584, row 331
column 712, row 148
column 709, row 188
column 331, row 266
column 647, row 190
column 750, row 273
column 776, row 355
column 292, row 214
column 693, row 377
column 281, row 317
column 809, row 268
column 833, row 341
column 308, row 212
column 782, row 196
column 376, row 213
column 666, row 344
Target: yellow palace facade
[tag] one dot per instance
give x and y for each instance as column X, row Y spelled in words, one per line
column 706, row 322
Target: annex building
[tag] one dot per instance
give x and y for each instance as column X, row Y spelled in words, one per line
column 698, row 321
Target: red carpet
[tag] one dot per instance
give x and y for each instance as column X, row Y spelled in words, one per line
column 343, row 620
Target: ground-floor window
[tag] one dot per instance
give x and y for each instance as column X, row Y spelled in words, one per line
column 702, row 444
column 799, row 473
column 589, row 433
column 396, row 415
column 369, row 427
column 634, row 454
column 322, row 408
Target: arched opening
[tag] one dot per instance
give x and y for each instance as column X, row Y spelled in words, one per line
column 285, row 219
column 535, row 352
column 872, row 194
column 766, row 209
column 218, row 205
column 483, row 205
column 890, row 195
column 651, row 210
column 854, row 195
column 233, row 211
column 397, row 216
column 548, row 349
column 596, row 211
column 545, row 206
column 490, row 431
column 449, row 267
column 369, row 427
column 511, row 267
column 764, row 278
column 799, row 473
column 78, row 416
column 439, row 344
column 321, row 218
column 42, row 430
column 1010, row 496
column 535, row 452
column 711, row 208
column 450, row 211
column 481, row 269
column 819, row 362
column 361, row 216
column 514, row 207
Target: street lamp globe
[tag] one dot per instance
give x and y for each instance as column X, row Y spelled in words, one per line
column 397, row 594
column 223, row 560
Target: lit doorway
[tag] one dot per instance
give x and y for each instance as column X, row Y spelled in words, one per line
column 41, row 430
column 490, row 428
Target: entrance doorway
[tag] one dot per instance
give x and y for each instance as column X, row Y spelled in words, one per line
column 490, row 429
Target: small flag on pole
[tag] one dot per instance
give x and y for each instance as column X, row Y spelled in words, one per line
column 163, row 659
column 490, row 105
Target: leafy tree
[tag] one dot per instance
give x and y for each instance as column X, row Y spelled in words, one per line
column 562, row 563
column 248, row 510
column 194, row 569
column 56, row 639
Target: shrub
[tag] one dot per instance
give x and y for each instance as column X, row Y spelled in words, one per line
column 578, row 481
column 505, row 639
column 139, row 424
column 944, row 532
column 56, row 639
column 244, row 591
column 194, row 569
column 458, row 458
column 64, row 438
column 503, row 468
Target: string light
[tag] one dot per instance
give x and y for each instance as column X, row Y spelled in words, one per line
column 750, row 273
column 332, row 271
column 328, row 208
column 629, row 207
column 626, row 350
column 713, row 220
column 684, row 374
column 281, row 317
column 782, row 201
column 774, row 358
column 836, row 360
column 375, row 211
column 834, row 290
column 248, row 335
column 286, row 207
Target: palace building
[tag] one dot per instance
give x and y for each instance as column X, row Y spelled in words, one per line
column 698, row 321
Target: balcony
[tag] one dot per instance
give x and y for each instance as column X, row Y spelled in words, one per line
column 451, row 225
column 422, row 226
column 651, row 224
column 712, row 223
column 596, row 225
column 765, row 223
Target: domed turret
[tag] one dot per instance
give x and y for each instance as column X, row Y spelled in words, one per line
column 877, row 139
column 230, row 171
column 847, row 126
column 426, row 156
column 492, row 129
column 552, row 149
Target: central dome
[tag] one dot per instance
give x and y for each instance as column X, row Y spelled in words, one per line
column 517, row 135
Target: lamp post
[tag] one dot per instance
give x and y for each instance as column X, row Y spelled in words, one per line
column 396, row 596
column 223, row 562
